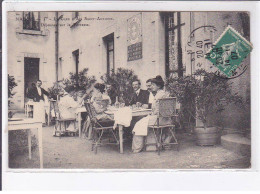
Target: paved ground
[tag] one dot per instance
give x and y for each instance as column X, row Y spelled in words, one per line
column 73, row 152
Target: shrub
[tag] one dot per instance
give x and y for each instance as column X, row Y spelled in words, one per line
column 121, row 79
column 11, row 85
column 79, row 82
column 205, row 91
column 244, row 122
column 55, row 90
column 74, row 83
column 18, row 143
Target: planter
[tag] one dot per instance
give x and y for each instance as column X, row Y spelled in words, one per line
column 208, row 136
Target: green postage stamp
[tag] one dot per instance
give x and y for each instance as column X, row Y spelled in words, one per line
column 229, row 51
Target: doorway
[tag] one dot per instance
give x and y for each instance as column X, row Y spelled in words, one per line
column 31, row 73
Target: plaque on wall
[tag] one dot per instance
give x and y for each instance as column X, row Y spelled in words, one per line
column 134, row 38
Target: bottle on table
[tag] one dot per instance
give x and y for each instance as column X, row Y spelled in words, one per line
column 117, row 104
column 121, row 101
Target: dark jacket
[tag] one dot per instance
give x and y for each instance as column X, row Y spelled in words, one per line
column 143, row 97
column 112, row 94
column 33, row 94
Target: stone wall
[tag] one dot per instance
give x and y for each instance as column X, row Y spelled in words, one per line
column 89, row 41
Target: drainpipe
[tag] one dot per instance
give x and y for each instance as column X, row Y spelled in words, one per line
column 180, row 65
column 56, row 43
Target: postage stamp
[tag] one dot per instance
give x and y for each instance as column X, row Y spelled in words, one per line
column 229, row 51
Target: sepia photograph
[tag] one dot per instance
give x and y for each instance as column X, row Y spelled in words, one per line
column 129, row 89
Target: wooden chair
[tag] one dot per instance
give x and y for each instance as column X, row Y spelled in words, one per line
column 59, row 121
column 99, row 128
column 167, row 109
column 87, row 128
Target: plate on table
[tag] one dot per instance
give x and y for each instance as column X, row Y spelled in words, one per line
column 141, row 109
column 112, row 108
column 137, row 108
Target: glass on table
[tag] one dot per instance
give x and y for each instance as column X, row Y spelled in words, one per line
column 145, row 106
column 117, row 104
column 138, row 104
column 122, row 105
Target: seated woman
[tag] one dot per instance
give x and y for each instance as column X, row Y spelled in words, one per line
column 140, row 130
column 98, row 100
column 81, row 95
column 67, row 108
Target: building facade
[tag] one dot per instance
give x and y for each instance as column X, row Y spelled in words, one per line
column 31, row 51
column 103, row 44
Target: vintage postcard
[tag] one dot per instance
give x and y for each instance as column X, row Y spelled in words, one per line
column 118, row 89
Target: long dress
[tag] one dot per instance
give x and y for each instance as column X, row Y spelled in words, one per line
column 141, row 128
column 67, row 108
column 99, row 105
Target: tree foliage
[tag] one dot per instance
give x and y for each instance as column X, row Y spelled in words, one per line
column 205, row 91
column 11, row 85
column 74, row 83
column 79, row 82
column 121, row 80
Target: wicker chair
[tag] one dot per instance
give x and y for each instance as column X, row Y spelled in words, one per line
column 59, row 121
column 99, row 128
column 167, row 109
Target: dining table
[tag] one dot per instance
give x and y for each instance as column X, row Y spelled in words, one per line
column 136, row 112
column 111, row 110
column 28, row 124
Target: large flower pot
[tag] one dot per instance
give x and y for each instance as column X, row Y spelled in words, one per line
column 207, row 136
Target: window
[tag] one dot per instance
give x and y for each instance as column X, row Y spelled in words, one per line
column 173, row 48
column 31, row 20
column 76, row 59
column 109, row 43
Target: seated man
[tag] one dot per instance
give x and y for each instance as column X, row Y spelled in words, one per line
column 139, row 96
column 151, row 93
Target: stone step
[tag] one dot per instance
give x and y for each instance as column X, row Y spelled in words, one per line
column 237, row 143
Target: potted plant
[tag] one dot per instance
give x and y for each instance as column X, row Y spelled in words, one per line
column 80, row 81
column 209, row 95
column 75, row 83
column 121, row 79
column 11, row 85
column 54, row 90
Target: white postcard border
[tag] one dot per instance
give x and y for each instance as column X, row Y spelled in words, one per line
column 138, row 179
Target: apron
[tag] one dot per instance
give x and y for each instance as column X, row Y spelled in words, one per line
column 39, row 111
